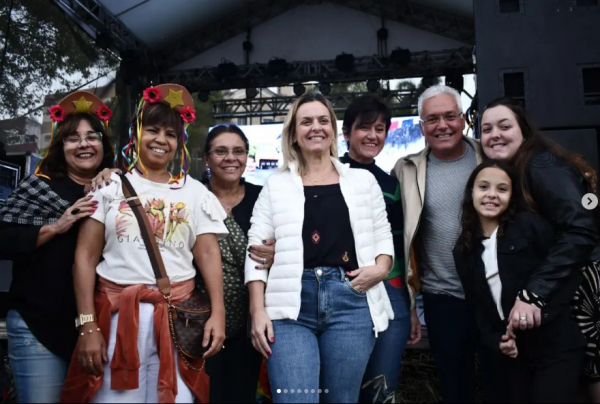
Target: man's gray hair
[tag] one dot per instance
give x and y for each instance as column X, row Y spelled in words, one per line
column 439, row 90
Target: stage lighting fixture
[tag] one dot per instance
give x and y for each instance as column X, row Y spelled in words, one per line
column 204, row 96
column 277, row 67
column 383, row 34
column 226, row 70
column 248, row 46
column 299, row 89
column 325, row 88
column 400, row 57
column 103, row 40
column 344, row 62
column 455, row 79
column 251, row 92
column 373, row 85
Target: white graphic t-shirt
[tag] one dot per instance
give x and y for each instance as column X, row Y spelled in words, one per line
column 177, row 216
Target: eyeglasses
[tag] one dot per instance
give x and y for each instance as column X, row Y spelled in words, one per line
column 436, row 119
column 223, row 152
column 93, row 139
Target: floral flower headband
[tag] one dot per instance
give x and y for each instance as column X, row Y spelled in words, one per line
column 78, row 102
column 178, row 98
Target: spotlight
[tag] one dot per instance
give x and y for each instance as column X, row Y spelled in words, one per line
column 103, row 40
column 400, row 57
column 299, row 89
column 345, row 62
column 373, row 85
column 248, row 46
column 226, row 70
column 277, row 67
column 428, row 81
column 251, row 92
column 204, row 96
column 455, row 79
column 325, row 88
column 383, row 34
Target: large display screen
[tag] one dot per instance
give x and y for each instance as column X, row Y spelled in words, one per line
column 404, row 138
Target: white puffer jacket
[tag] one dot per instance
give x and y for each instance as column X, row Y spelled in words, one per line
column 279, row 214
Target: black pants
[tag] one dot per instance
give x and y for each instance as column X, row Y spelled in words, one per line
column 551, row 379
column 453, row 338
column 234, row 372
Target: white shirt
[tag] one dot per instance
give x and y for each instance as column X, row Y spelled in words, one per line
column 177, row 217
column 490, row 260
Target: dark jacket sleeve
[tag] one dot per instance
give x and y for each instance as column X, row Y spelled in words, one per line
column 558, row 190
column 489, row 337
column 17, row 240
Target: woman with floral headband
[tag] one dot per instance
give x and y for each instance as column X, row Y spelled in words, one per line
column 125, row 351
column 38, row 231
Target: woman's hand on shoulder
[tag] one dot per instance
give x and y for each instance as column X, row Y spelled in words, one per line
column 83, row 208
column 103, row 178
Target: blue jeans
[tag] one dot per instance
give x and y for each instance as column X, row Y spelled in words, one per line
column 328, row 348
column 453, row 337
column 383, row 373
column 39, row 374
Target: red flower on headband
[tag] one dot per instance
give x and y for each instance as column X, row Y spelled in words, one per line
column 188, row 115
column 57, row 113
column 104, row 113
column 152, row 95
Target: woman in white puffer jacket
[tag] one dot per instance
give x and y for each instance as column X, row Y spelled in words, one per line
column 317, row 312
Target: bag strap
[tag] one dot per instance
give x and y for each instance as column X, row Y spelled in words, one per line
column 158, row 265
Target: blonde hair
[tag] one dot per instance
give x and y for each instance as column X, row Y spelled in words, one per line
column 291, row 150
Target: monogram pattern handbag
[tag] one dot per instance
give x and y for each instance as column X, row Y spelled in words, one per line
column 188, row 319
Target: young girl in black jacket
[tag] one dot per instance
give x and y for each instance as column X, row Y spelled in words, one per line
column 540, row 357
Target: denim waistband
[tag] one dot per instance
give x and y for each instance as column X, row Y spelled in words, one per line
column 325, row 273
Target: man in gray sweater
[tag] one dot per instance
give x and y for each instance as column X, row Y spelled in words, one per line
column 433, row 184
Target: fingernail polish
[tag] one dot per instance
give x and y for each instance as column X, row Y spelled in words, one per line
column 107, row 183
column 273, row 340
column 250, row 249
column 264, row 241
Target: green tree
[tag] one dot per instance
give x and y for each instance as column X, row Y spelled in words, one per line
column 45, row 53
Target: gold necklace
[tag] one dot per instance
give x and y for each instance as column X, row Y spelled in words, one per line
column 320, row 180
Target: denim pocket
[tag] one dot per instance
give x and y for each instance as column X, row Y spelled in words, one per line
column 356, row 292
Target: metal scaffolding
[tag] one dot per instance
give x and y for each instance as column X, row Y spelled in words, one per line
column 401, row 102
column 423, row 64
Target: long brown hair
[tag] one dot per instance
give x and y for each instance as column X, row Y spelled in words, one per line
column 54, row 165
column 470, row 222
column 534, row 143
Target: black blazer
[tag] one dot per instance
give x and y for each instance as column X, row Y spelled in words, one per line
column 522, row 248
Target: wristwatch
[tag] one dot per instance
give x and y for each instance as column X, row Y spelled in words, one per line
column 84, row 319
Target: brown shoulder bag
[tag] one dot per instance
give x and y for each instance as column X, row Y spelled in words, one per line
column 188, row 319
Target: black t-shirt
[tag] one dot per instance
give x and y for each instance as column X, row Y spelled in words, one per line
column 42, row 288
column 327, row 233
column 242, row 213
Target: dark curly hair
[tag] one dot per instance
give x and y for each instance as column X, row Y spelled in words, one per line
column 470, row 222
column 54, row 165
